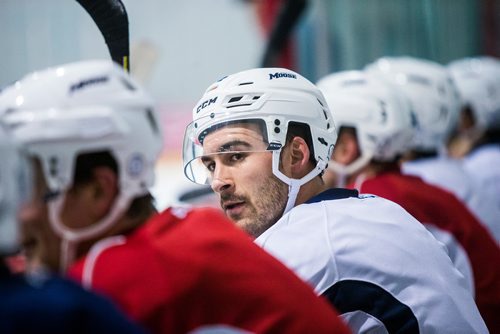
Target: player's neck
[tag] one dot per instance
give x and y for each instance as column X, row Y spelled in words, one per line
column 311, row 189
column 367, row 172
column 124, row 226
column 372, row 170
column 419, row 154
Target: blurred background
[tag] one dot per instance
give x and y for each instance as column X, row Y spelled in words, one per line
column 178, row 48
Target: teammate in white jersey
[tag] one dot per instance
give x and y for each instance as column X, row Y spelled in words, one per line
column 436, row 104
column 478, row 80
column 262, row 139
column 375, row 128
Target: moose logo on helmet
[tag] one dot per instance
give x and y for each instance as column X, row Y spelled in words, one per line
column 281, row 75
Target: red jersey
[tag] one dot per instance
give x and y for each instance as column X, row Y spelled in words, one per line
column 456, row 227
column 191, row 268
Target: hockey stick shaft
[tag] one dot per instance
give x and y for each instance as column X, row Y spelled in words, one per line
column 111, row 18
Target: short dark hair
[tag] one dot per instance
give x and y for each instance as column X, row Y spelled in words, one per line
column 378, row 165
column 259, row 122
column 302, row 130
column 141, row 207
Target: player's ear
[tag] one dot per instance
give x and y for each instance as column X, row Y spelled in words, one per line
column 347, row 148
column 299, row 157
column 103, row 190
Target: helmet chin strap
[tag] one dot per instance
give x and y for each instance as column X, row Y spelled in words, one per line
column 72, row 237
column 294, row 184
column 344, row 171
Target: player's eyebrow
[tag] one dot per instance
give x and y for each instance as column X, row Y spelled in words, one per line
column 234, row 145
column 206, row 159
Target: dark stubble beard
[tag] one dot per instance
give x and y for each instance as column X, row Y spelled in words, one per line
column 267, row 207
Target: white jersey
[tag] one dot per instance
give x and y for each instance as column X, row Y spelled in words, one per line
column 451, row 175
column 483, row 165
column 380, row 268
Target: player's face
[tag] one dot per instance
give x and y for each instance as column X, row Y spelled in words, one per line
column 241, row 172
column 40, row 244
column 39, row 241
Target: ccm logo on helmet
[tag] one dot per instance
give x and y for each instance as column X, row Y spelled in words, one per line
column 205, row 104
column 84, row 83
column 281, row 75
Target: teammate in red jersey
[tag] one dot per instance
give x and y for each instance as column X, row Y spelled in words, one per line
column 94, row 136
column 376, row 124
column 41, row 303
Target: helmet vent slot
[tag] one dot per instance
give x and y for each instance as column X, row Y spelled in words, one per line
column 235, row 99
column 354, row 82
column 245, row 83
column 239, row 105
column 242, row 100
column 418, row 79
column 127, row 84
column 325, row 114
column 152, row 121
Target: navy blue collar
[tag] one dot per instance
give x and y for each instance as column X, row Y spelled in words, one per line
column 333, row 193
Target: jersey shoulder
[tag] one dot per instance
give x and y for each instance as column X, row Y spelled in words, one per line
column 31, row 305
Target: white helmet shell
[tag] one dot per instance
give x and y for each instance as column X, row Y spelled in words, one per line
column 478, row 81
column 381, row 115
column 15, row 188
column 434, row 97
column 84, row 107
column 276, row 96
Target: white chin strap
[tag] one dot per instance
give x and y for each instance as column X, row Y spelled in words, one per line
column 294, row 184
column 344, row 171
column 71, row 237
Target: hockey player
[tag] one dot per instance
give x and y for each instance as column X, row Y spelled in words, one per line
column 436, row 104
column 41, row 303
column 375, row 129
column 262, row 138
column 478, row 81
column 95, row 137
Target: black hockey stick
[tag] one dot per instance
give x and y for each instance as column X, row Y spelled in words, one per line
column 111, row 18
column 288, row 17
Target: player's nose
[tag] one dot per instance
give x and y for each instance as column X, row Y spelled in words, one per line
column 222, row 180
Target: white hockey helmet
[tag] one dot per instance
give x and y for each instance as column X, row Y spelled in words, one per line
column 478, row 81
column 434, row 97
column 84, row 107
column 377, row 110
column 276, row 96
column 15, row 188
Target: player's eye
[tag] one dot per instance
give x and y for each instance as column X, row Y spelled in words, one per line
column 210, row 165
column 236, row 157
